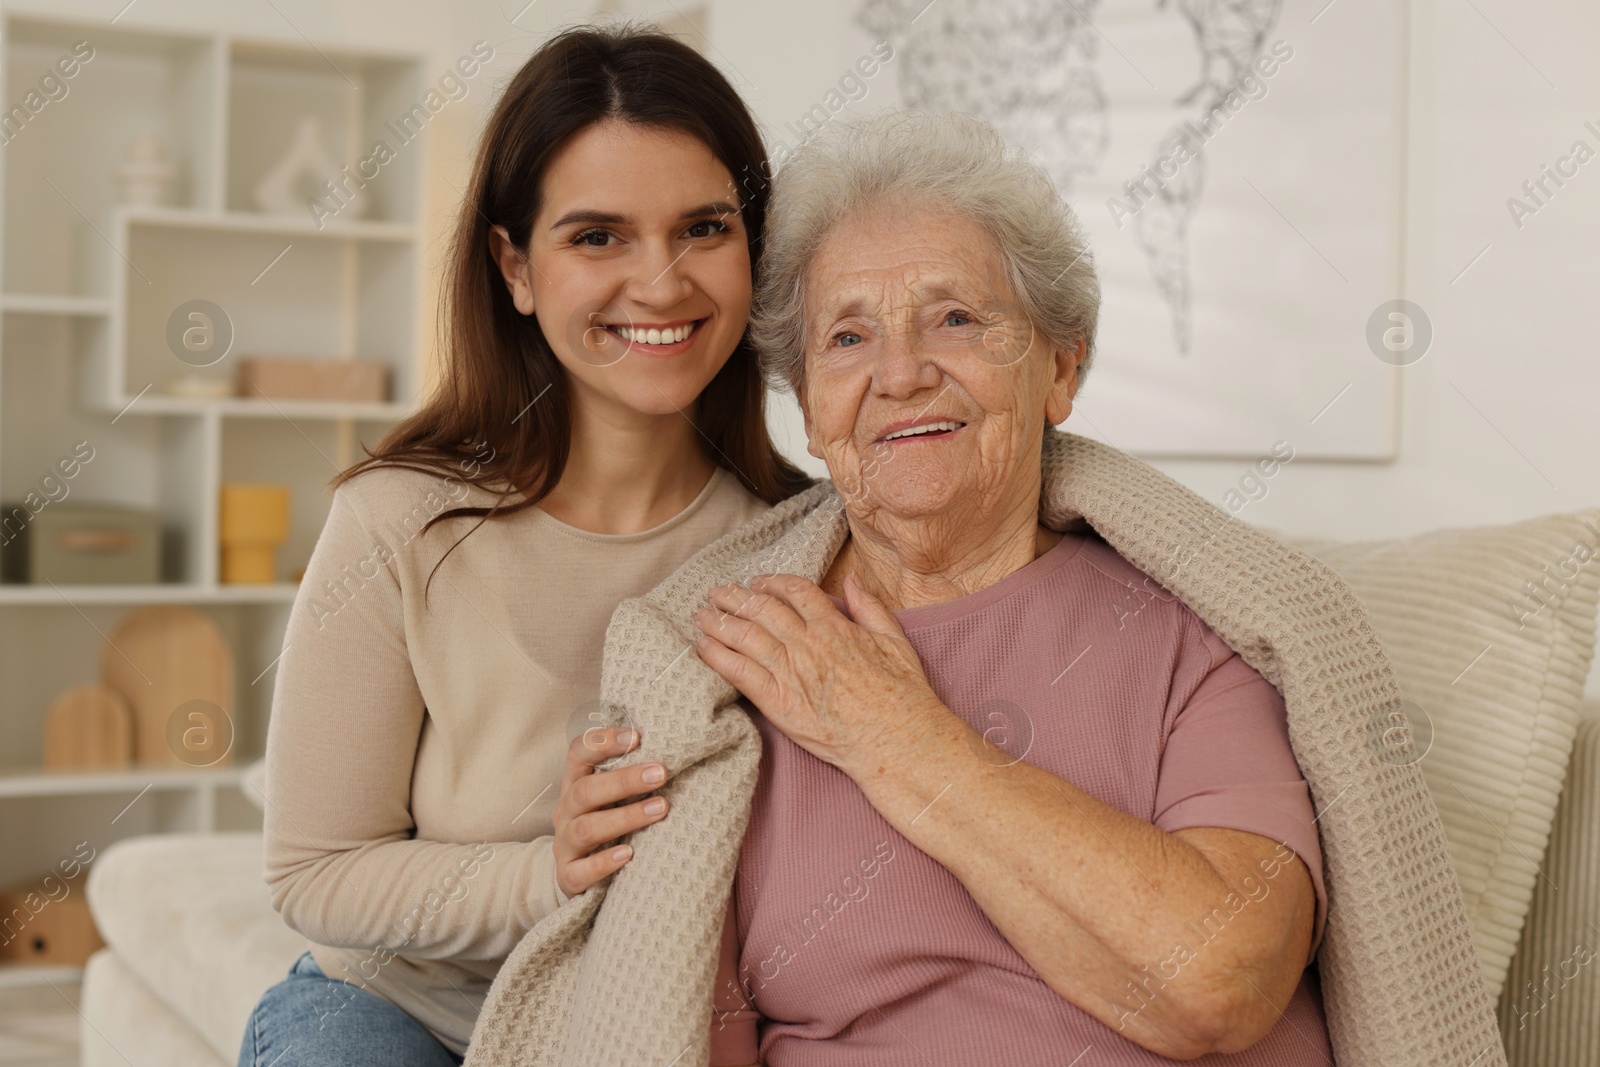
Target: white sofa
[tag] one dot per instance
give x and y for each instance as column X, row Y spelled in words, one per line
column 193, row 941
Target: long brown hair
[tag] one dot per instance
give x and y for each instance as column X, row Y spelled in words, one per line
column 497, row 361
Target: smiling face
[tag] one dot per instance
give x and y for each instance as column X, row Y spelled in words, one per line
column 638, row 267
column 926, row 388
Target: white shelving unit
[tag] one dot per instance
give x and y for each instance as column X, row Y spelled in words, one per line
column 87, row 286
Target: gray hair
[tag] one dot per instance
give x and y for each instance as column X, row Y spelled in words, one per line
column 918, row 157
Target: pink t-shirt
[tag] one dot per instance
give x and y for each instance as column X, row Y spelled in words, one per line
column 858, row 948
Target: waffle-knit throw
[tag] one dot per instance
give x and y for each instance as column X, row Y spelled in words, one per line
column 630, row 982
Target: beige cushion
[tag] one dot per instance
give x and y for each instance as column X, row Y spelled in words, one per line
column 189, row 915
column 1551, row 1001
column 1498, row 676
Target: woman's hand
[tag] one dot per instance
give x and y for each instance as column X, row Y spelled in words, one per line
column 584, row 818
column 839, row 689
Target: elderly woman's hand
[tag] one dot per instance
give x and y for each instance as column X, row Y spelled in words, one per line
column 839, row 689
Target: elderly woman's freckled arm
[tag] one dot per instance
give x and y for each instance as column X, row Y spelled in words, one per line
column 1090, row 896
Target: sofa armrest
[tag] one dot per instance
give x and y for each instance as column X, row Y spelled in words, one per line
column 1551, row 997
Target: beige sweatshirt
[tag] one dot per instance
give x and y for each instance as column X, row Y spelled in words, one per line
column 415, row 750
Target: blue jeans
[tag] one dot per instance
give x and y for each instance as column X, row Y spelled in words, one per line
column 311, row 1020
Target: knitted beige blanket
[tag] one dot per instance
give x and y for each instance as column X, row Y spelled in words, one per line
column 630, row 982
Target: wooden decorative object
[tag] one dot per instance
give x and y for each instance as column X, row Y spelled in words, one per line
column 294, row 378
column 88, row 727
column 46, row 928
column 253, row 522
column 173, row 667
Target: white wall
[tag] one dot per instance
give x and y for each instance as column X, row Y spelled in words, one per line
column 1499, row 420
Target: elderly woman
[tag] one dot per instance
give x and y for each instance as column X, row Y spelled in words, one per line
column 1017, row 804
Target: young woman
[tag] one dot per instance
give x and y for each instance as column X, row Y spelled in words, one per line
column 432, row 784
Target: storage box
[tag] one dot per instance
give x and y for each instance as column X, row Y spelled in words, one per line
column 40, row 925
column 82, row 544
column 292, row 378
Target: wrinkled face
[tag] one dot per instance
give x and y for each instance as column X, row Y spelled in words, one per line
column 638, row 267
column 926, row 389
